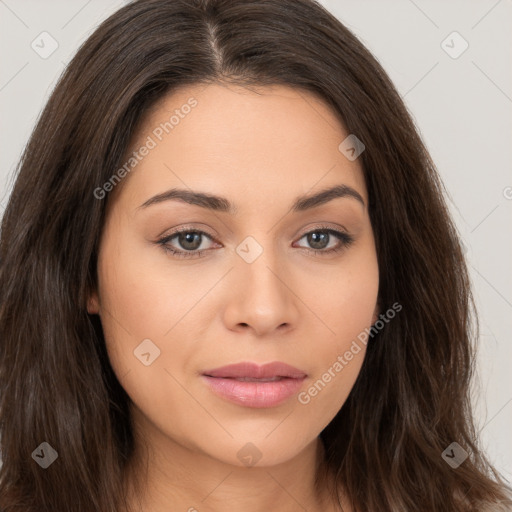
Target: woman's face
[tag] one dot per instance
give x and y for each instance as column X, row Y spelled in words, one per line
column 251, row 288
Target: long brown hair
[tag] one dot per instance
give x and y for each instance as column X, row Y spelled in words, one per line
column 411, row 398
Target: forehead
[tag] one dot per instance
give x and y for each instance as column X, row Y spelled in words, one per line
column 264, row 140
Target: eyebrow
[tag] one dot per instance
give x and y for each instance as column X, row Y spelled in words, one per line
column 221, row 204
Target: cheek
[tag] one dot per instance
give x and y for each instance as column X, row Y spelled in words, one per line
column 337, row 359
column 132, row 307
column 150, row 306
column 145, row 297
column 343, row 296
column 347, row 308
column 141, row 311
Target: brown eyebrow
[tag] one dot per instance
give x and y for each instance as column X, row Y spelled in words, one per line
column 221, row 204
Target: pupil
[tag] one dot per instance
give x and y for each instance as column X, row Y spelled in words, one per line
column 318, row 240
column 190, row 240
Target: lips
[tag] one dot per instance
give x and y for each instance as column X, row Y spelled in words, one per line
column 248, row 371
column 250, row 385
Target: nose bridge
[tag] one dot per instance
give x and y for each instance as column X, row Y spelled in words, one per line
column 257, row 265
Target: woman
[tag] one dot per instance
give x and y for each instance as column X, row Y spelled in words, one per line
column 229, row 280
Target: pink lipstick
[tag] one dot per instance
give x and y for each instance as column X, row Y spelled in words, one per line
column 251, row 385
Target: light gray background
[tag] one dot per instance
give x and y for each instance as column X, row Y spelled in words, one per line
column 462, row 107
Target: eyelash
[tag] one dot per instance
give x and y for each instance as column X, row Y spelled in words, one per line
column 345, row 241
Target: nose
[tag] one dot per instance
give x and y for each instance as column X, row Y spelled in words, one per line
column 262, row 298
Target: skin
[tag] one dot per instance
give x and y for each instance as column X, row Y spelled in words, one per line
column 261, row 150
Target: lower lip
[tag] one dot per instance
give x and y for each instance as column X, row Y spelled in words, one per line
column 255, row 394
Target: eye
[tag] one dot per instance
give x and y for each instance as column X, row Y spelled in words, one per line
column 189, row 241
column 326, row 240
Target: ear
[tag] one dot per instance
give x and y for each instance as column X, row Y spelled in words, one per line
column 93, row 304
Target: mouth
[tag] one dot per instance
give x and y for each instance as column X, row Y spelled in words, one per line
column 249, row 370
column 250, row 385
column 251, row 379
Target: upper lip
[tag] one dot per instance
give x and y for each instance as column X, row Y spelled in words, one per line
column 255, row 371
